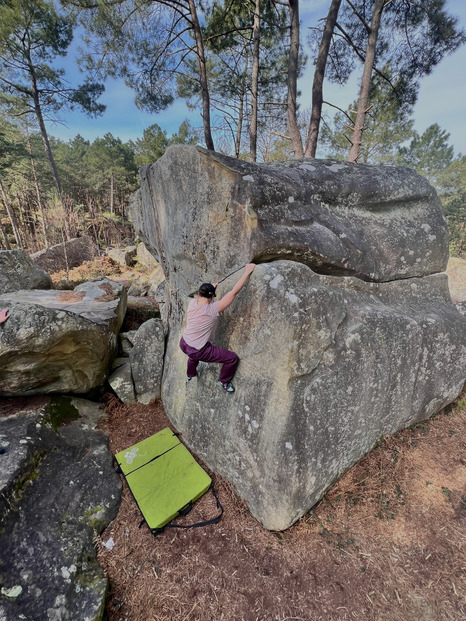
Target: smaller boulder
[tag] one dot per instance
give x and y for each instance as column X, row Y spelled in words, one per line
column 18, row 271
column 66, row 255
column 60, row 341
column 121, row 382
column 144, row 257
column 126, row 342
column 123, row 256
column 146, row 358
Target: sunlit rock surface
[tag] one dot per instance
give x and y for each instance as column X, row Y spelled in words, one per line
column 346, row 332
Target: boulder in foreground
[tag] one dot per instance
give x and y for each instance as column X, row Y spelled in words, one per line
column 57, row 489
column 60, row 341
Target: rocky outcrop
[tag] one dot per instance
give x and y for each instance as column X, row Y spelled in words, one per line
column 137, row 374
column 60, row 341
column 17, row 271
column 67, row 255
column 57, row 490
column 346, row 332
column 328, row 366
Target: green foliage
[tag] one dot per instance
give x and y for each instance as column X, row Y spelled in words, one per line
column 387, row 126
column 452, row 183
column 142, row 42
column 429, row 153
column 413, row 39
column 12, row 146
column 228, row 38
column 32, row 35
column 155, row 141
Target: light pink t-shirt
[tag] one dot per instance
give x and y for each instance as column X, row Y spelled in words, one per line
column 202, row 320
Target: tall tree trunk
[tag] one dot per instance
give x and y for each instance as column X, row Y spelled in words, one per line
column 43, row 133
column 319, row 73
column 292, row 81
column 38, row 194
column 111, row 193
column 4, row 235
column 254, row 82
column 11, row 216
column 48, row 150
column 366, row 80
column 239, row 129
column 209, row 143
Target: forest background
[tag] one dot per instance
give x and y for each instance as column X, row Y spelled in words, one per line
column 235, row 68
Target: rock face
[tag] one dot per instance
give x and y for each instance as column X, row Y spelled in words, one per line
column 346, row 332
column 17, row 271
column 60, row 341
column 57, row 488
column 376, row 223
column 147, row 360
column 66, row 255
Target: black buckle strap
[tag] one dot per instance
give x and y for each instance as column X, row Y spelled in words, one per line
column 215, row 520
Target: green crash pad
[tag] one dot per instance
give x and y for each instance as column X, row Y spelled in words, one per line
column 163, row 477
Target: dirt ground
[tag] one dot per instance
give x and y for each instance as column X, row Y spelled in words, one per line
column 387, row 542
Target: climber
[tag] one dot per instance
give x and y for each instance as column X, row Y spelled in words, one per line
column 202, row 320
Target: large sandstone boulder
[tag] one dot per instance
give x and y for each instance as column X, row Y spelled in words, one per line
column 60, row 341
column 57, row 490
column 18, row 271
column 377, row 223
column 346, row 332
column 66, row 255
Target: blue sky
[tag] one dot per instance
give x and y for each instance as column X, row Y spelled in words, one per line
column 442, row 97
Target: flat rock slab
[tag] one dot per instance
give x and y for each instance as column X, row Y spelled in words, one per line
column 102, row 301
column 146, row 358
column 57, row 488
column 59, row 341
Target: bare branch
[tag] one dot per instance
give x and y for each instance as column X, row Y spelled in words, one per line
column 341, row 110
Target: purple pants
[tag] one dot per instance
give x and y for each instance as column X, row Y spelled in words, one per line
column 211, row 353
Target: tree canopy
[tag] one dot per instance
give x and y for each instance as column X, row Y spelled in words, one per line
column 237, row 62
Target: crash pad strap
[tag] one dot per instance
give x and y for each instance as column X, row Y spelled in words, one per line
column 215, row 520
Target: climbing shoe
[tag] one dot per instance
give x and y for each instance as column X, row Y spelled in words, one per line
column 189, row 377
column 228, row 386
